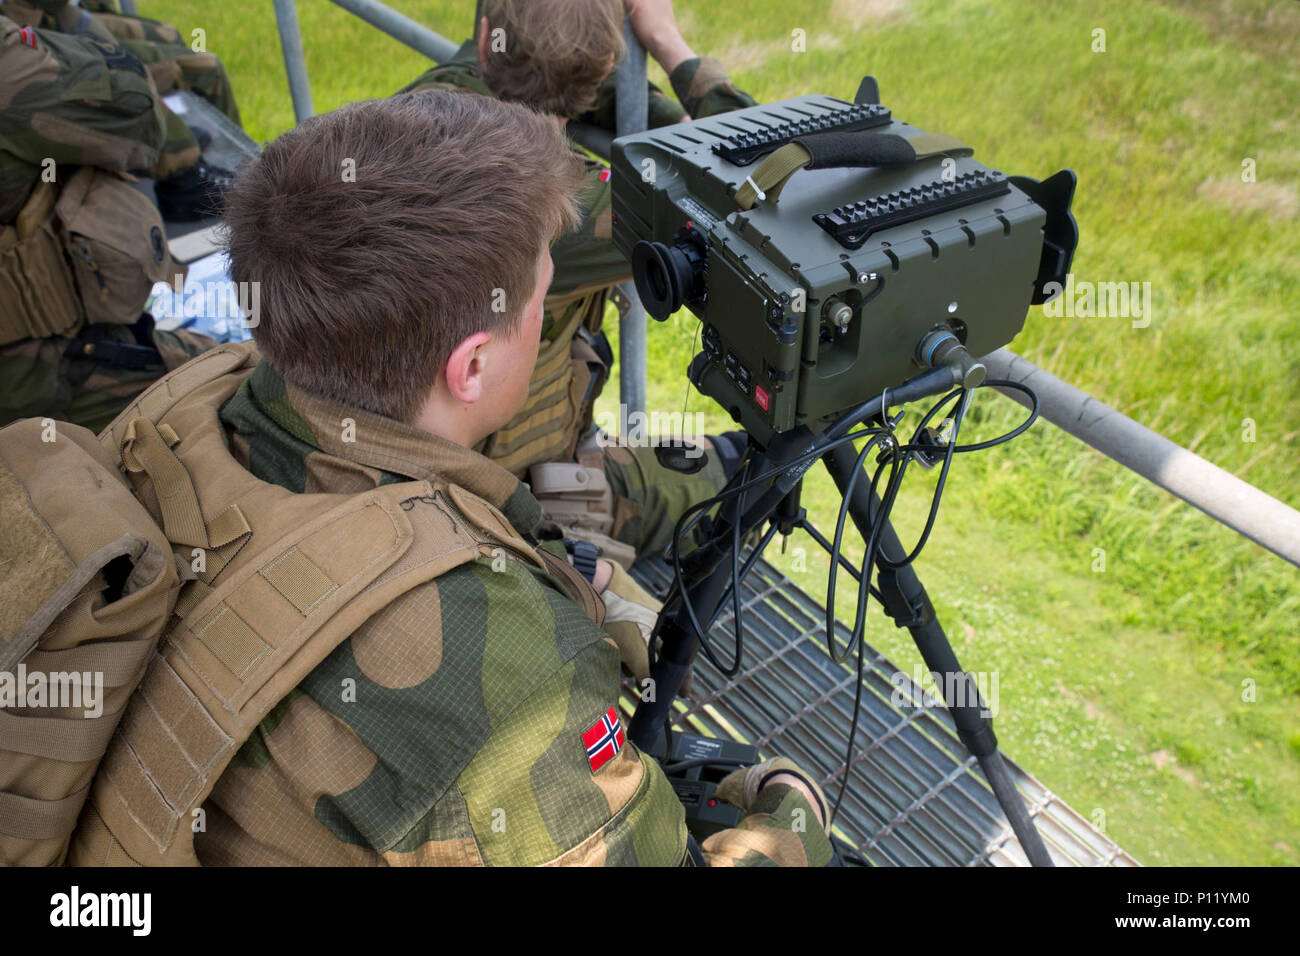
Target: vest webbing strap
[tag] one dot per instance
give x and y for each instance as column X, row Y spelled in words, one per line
column 71, row 740
column 143, row 449
column 25, row 818
column 146, row 448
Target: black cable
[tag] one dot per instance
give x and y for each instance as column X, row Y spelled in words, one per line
column 910, row 452
column 899, row 459
column 873, row 547
column 735, row 583
column 748, row 566
column 692, row 515
column 833, row 574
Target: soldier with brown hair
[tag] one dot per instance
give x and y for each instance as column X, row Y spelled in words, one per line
column 472, row 719
column 557, row 56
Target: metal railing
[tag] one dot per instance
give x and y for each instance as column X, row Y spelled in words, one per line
column 1229, row 500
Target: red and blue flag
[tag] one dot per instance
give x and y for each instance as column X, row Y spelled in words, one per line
column 604, row 740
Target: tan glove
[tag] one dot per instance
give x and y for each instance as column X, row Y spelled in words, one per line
column 740, row 787
column 630, row 616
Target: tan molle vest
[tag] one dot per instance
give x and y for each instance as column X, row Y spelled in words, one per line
column 88, row 251
column 277, row 580
column 566, row 379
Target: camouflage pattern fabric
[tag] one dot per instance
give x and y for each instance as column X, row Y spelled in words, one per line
column 81, row 100
column 78, row 100
column 173, row 66
column 649, row 498
column 448, row 729
column 177, row 67
column 169, row 61
column 38, row 380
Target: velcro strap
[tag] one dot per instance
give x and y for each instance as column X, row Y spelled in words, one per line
column 569, row 480
column 26, row 818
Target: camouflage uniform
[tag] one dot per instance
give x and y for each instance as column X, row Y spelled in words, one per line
column 448, row 728
column 161, row 48
column 83, row 114
column 648, row 496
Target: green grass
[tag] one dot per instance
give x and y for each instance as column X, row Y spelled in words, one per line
column 1121, row 690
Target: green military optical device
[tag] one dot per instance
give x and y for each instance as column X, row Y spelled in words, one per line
column 832, row 251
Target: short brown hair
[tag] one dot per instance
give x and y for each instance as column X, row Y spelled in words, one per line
column 556, row 51
column 384, row 233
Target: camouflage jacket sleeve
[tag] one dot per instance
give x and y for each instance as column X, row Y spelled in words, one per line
column 455, row 727
column 705, row 89
column 586, row 258
column 76, row 100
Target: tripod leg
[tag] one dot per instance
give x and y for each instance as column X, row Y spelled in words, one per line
column 909, row 605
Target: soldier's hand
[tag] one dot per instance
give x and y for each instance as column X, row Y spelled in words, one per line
column 630, row 615
column 741, row 787
column 655, row 25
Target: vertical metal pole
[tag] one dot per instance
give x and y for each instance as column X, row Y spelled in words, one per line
column 128, row 7
column 286, row 20
column 632, row 110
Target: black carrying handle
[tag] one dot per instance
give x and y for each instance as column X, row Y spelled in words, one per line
column 840, row 148
column 861, row 148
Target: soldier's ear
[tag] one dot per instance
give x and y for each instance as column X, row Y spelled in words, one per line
column 463, row 375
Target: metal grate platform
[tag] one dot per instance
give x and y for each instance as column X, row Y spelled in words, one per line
column 916, row 796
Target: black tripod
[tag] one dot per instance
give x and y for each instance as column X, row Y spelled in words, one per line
column 712, row 567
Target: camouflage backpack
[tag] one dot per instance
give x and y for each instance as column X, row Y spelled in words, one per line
column 78, row 244
column 164, row 599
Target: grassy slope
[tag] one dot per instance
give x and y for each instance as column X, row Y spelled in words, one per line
column 1121, row 689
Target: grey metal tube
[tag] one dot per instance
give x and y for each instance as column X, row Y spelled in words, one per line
column 632, row 110
column 286, row 21
column 1224, row 497
column 128, row 7
column 402, row 28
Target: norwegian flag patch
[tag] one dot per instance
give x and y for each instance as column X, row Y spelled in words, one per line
column 604, row 740
column 28, row 36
